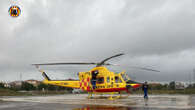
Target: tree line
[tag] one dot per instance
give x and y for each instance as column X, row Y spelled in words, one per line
column 170, row 86
column 44, row 87
column 40, row 87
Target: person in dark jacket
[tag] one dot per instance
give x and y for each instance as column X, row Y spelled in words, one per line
column 145, row 87
column 94, row 79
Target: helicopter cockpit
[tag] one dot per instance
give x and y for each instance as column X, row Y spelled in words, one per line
column 125, row 76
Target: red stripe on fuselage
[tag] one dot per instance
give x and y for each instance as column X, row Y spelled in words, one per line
column 111, row 90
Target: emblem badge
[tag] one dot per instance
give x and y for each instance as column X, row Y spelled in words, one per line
column 14, row 11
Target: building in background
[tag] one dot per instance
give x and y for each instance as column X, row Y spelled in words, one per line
column 179, row 85
column 33, row 82
column 15, row 84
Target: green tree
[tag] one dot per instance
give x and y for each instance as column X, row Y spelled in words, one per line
column 2, row 85
column 27, row 86
column 172, row 85
column 157, row 86
column 52, row 87
column 69, row 90
column 41, row 86
column 194, row 85
column 190, row 86
column 165, row 86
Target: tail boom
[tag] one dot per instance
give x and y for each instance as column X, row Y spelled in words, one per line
column 63, row 83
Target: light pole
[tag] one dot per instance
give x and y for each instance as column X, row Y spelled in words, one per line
column 194, row 74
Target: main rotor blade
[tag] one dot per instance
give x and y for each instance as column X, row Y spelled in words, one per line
column 81, row 63
column 102, row 62
column 141, row 68
column 147, row 69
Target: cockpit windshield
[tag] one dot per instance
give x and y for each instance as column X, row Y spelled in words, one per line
column 125, row 77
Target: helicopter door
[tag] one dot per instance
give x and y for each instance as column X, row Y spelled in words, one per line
column 118, row 81
column 108, row 82
column 100, row 84
column 112, row 81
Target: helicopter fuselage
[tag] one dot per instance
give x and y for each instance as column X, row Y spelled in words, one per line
column 106, row 81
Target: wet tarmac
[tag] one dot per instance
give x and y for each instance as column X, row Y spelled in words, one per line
column 80, row 102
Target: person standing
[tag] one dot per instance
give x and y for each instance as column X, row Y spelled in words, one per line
column 145, row 87
column 94, row 78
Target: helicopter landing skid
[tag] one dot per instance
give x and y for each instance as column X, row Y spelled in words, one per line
column 106, row 95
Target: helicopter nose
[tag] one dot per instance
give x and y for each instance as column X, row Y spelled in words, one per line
column 133, row 84
column 136, row 86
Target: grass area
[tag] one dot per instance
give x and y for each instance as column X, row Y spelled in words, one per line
column 185, row 91
column 8, row 92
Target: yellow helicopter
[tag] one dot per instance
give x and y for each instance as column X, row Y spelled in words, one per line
column 97, row 80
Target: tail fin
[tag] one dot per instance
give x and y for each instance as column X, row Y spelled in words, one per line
column 45, row 76
column 43, row 73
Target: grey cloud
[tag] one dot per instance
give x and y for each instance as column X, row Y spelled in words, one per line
column 156, row 33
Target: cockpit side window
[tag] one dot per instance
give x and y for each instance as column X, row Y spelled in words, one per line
column 124, row 76
column 121, row 80
column 118, row 79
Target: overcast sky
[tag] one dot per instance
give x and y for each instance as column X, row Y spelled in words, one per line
column 158, row 34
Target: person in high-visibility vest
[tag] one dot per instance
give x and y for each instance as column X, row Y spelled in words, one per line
column 94, row 78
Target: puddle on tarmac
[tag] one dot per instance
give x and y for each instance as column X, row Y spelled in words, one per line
column 117, row 108
column 103, row 108
column 70, row 102
column 56, row 106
